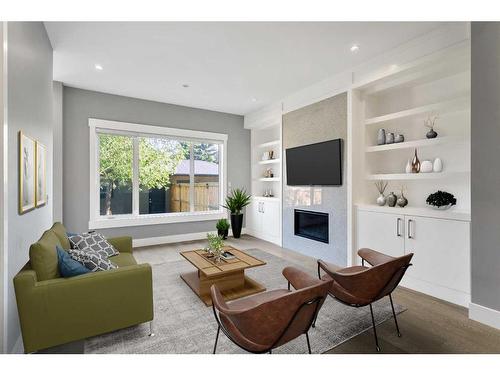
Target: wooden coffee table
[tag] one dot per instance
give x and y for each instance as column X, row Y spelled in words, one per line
column 229, row 275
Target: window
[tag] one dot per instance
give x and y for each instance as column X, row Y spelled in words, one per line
column 144, row 174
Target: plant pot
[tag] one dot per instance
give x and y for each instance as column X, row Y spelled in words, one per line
column 223, row 233
column 236, row 224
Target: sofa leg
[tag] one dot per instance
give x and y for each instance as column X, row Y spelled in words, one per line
column 151, row 333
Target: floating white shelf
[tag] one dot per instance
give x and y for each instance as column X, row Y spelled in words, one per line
column 461, row 102
column 270, row 179
column 274, row 199
column 414, row 144
column 414, row 176
column 270, row 161
column 269, row 144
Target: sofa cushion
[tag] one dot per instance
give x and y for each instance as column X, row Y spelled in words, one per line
column 68, row 267
column 43, row 256
column 93, row 241
column 92, row 260
column 123, row 259
column 60, row 232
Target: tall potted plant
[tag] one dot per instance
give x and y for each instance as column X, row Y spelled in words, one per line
column 235, row 202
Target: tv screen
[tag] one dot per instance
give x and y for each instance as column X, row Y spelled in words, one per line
column 316, row 164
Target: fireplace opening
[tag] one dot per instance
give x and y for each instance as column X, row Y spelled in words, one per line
column 312, row 225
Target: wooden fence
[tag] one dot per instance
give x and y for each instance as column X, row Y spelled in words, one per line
column 206, row 197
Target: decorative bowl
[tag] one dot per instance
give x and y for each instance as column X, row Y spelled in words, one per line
column 441, row 208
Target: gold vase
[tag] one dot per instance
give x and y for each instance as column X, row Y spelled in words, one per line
column 415, row 163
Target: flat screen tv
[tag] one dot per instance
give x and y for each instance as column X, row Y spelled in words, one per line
column 315, row 164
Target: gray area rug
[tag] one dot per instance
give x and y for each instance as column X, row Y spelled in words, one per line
column 183, row 324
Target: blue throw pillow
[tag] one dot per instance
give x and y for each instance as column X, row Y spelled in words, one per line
column 69, row 267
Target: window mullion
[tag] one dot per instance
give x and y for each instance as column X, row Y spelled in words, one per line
column 135, row 176
column 191, row 177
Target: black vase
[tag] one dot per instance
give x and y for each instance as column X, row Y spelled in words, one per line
column 223, row 233
column 236, row 224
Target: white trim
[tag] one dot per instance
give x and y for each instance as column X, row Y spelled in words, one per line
column 485, row 315
column 152, row 129
column 4, row 190
column 173, row 238
column 135, row 219
column 132, row 221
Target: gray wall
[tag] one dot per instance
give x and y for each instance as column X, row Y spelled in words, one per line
column 30, row 110
column 318, row 122
column 80, row 105
column 485, row 151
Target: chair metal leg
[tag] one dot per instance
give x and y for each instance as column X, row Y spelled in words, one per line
column 289, row 285
column 308, row 344
column 374, row 329
column 270, row 351
column 394, row 314
column 151, row 332
column 216, row 339
column 314, row 321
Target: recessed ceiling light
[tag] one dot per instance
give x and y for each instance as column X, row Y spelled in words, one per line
column 354, row 48
column 185, row 85
column 98, row 67
column 254, row 100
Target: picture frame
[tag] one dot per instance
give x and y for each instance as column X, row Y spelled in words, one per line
column 27, row 173
column 40, row 174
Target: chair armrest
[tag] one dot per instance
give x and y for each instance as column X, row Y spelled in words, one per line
column 374, row 257
column 328, row 268
column 298, row 278
column 122, row 244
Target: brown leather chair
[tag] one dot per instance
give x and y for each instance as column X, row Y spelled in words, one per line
column 359, row 286
column 264, row 321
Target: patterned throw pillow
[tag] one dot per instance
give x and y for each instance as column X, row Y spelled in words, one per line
column 92, row 260
column 93, row 241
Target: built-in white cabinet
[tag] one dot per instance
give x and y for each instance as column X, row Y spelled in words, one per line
column 441, row 247
column 264, row 219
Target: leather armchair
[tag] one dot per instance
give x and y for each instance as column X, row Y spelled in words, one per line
column 268, row 320
column 359, row 286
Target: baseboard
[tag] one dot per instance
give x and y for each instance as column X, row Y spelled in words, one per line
column 485, row 315
column 151, row 241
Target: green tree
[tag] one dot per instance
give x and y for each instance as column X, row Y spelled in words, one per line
column 158, row 159
column 203, row 151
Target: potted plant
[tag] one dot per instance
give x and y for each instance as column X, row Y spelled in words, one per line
column 215, row 246
column 222, row 228
column 235, row 202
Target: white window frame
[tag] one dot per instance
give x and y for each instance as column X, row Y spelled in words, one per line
column 96, row 221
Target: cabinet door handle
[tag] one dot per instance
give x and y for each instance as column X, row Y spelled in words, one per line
column 410, row 235
column 262, row 207
column 398, row 226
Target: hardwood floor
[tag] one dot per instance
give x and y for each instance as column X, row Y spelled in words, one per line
column 428, row 325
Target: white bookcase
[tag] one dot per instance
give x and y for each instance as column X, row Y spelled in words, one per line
column 264, row 214
column 399, row 103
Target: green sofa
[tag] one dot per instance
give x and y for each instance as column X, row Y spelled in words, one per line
column 54, row 310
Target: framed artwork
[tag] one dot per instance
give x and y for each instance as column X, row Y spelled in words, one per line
column 27, row 146
column 40, row 185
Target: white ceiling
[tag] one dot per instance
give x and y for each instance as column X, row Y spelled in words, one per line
column 232, row 67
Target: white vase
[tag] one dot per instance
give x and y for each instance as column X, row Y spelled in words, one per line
column 381, row 200
column 408, row 167
column 426, row 166
column 438, row 165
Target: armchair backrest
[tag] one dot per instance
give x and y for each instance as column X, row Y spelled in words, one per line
column 375, row 282
column 274, row 322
